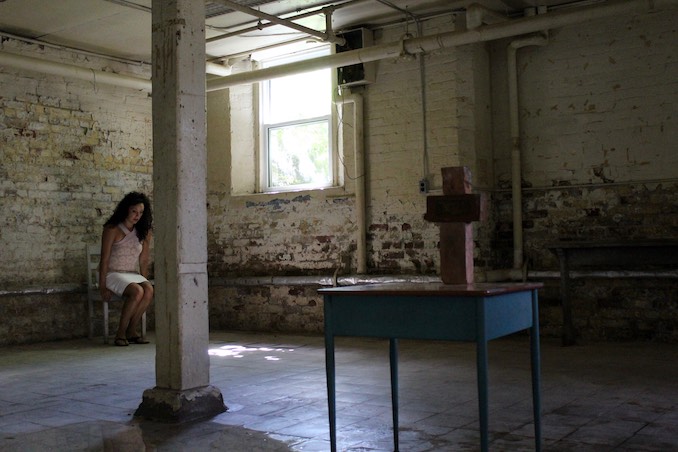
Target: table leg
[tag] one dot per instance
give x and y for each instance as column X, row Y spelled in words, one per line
column 568, row 326
column 393, row 358
column 536, row 371
column 481, row 364
column 331, row 400
column 481, row 371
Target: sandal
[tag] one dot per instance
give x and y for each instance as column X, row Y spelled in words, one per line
column 121, row 342
column 137, row 340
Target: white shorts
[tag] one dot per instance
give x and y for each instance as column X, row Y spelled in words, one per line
column 117, row 282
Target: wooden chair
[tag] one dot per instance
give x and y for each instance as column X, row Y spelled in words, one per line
column 93, row 252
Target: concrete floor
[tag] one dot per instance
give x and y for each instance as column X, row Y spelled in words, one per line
column 80, row 396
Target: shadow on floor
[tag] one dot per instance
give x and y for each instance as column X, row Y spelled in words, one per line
column 141, row 435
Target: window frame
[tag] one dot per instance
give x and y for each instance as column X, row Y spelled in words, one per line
column 264, row 185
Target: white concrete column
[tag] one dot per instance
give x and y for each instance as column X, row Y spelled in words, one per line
column 182, row 389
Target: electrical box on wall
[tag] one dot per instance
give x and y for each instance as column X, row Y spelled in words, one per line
column 360, row 73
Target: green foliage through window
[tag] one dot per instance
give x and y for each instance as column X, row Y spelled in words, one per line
column 298, row 154
column 296, row 127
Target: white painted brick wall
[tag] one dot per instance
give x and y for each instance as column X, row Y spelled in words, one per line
column 70, row 150
column 399, row 240
column 600, row 98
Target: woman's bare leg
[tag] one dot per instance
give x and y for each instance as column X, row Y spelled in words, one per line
column 132, row 295
column 140, row 308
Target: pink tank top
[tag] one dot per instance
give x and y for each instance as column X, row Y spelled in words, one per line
column 125, row 253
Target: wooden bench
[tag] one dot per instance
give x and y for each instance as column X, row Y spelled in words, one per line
column 645, row 256
column 93, row 252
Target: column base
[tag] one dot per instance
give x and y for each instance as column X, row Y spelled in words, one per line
column 170, row 405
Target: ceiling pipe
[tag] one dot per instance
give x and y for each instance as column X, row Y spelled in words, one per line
column 71, row 71
column 248, row 53
column 331, row 36
column 492, row 32
column 260, row 26
column 131, row 5
column 90, row 75
column 374, row 53
column 257, row 27
column 71, row 49
column 217, row 69
column 477, row 15
column 284, row 22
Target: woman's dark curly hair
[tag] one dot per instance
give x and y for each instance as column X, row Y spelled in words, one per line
column 144, row 225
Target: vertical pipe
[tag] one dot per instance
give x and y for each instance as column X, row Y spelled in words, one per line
column 516, row 166
column 359, row 152
column 424, row 114
column 516, row 194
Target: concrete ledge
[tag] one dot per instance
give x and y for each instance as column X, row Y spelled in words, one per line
column 44, row 290
column 346, row 280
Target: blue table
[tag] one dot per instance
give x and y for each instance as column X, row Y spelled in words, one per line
column 477, row 313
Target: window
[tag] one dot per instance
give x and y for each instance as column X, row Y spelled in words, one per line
column 296, row 128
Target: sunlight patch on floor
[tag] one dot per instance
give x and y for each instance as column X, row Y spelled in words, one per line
column 239, row 351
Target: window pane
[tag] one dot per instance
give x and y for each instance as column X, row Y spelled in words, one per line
column 296, row 113
column 299, row 154
column 299, row 96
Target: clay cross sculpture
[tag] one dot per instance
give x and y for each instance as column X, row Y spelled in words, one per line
column 454, row 211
